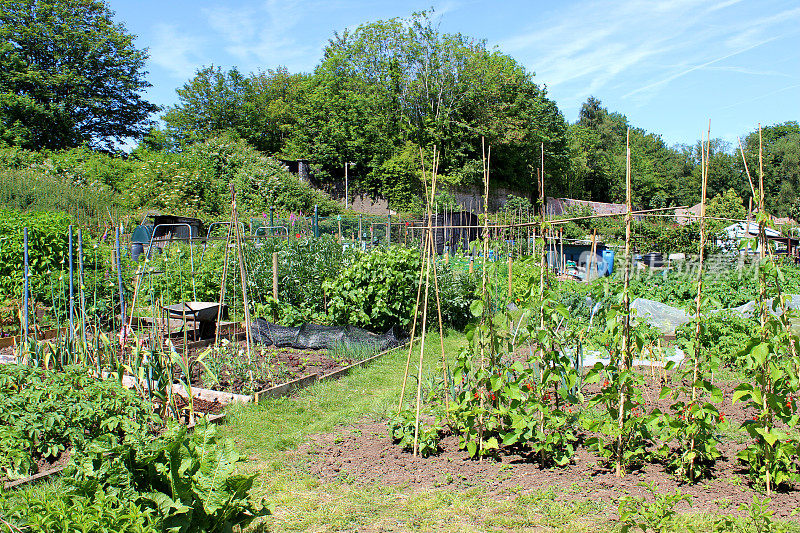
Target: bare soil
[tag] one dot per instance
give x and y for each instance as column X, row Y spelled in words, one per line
column 364, row 453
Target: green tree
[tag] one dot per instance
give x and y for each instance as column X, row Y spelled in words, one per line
column 725, row 205
column 392, row 82
column 210, row 104
column 69, row 75
column 781, row 156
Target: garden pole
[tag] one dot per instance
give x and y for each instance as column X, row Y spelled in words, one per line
column 275, row 282
column 762, row 238
column 510, row 277
column 484, row 294
column 430, row 257
column 243, row 274
column 223, row 281
column 119, row 283
column 316, row 222
column 272, row 220
column 389, row 230
column 419, row 294
column 626, row 310
column 71, row 287
column 360, row 231
column 80, row 285
column 704, row 171
column 25, row 284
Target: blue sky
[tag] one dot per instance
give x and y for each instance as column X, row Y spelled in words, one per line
column 670, row 66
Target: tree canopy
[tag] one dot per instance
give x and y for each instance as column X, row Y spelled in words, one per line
column 380, row 93
column 69, row 75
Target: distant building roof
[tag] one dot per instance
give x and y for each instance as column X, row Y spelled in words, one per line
column 687, row 215
column 740, row 230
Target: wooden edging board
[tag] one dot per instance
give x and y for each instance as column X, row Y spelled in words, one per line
column 285, row 389
column 49, row 334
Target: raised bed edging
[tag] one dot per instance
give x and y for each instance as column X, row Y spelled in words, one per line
column 286, row 388
column 16, row 339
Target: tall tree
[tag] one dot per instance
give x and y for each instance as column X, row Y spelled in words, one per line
column 400, row 81
column 69, row 75
column 211, row 103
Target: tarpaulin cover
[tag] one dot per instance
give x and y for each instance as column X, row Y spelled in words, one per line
column 316, row 337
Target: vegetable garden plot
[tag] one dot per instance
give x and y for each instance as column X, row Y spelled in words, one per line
column 226, row 368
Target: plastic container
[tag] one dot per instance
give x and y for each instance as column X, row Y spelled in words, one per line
column 608, row 259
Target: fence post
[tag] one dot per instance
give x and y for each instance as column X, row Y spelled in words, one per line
column 389, row 230
column 71, row 287
column 360, row 230
column 25, row 283
column 316, row 222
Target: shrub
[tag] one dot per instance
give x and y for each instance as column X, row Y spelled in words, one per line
column 378, row 291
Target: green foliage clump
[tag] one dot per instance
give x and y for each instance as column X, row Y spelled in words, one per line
column 403, row 427
column 378, row 291
column 47, row 245
column 100, row 513
column 196, row 181
column 188, row 481
column 175, row 482
column 656, row 515
column 723, row 334
column 43, row 413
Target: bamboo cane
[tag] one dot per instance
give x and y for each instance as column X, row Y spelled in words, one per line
column 706, row 156
column 430, row 243
column 626, row 308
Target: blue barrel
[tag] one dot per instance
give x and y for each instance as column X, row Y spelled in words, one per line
column 608, row 259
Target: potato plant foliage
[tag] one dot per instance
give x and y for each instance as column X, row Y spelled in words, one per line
column 43, row 413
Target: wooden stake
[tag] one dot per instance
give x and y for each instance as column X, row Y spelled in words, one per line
column 484, row 296
column 243, row 275
column 626, row 307
column 763, row 296
column 706, row 156
column 429, row 242
column 590, row 267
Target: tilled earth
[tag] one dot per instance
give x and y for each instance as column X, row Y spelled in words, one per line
column 364, row 453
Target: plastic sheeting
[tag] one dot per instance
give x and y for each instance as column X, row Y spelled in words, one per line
column 662, row 316
column 747, row 310
column 316, row 337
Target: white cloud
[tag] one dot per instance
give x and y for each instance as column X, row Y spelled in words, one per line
column 174, row 51
column 263, row 35
column 630, row 44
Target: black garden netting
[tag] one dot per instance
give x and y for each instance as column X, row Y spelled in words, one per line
column 316, row 337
